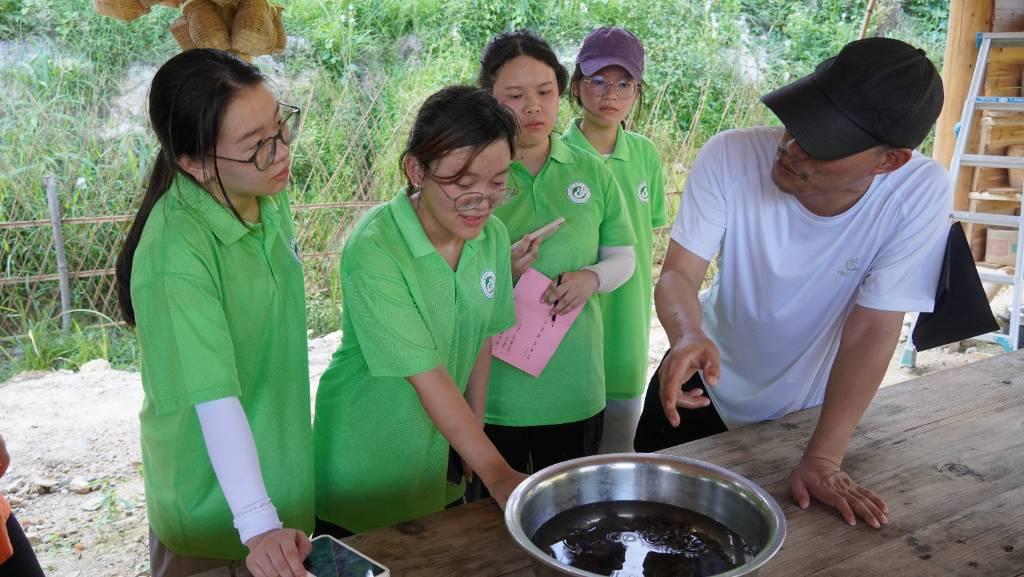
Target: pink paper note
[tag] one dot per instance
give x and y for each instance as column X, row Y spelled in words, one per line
column 530, row 344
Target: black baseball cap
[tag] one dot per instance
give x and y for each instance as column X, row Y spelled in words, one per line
column 875, row 91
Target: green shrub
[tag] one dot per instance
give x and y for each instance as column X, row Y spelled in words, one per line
column 359, row 69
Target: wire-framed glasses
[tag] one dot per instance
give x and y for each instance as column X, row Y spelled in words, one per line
column 468, row 201
column 266, row 149
column 599, row 86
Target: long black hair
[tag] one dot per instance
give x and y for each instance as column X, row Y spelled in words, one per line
column 458, row 117
column 187, row 101
column 509, row 45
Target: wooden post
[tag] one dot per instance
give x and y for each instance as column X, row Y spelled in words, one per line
column 58, row 245
column 966, row 19
column 867, row 18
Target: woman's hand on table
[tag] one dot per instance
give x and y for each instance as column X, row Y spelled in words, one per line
column 572, row 292
column 502, row 487
column 524, row 253
column 692, row 353
column 278, row 553
column 825, row 480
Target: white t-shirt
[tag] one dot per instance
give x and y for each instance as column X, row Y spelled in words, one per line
column 788, row 278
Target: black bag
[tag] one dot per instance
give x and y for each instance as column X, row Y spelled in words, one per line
column 961, row 307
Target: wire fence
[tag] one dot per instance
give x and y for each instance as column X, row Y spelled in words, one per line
column 341, row 178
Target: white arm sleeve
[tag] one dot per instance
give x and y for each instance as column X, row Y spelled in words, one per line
column 237, row 465
column 615, row 267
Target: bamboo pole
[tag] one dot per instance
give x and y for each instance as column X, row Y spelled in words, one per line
column 867, row 18
column 80, row 220
column 58, row 245
column 16, row 280
column 17, row 224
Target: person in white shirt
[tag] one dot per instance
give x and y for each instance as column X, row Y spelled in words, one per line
column 827, row 230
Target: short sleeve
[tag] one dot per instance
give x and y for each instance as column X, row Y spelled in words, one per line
column 656, row 191
column 616, row 228
column 904, row 275
column 188, row 354
column 504, row 314
column 701, row 222
column 392, row 333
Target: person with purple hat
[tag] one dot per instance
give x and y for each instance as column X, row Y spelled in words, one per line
column 828, row 229
column 607, row 85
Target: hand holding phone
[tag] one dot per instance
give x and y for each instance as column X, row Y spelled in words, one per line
column 543, row 232
column 277, row 553
column 332, row 558
column 525, row 250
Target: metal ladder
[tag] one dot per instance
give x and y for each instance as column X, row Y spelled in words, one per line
column 974, row 103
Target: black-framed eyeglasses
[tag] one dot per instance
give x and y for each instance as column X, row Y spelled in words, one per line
column 266, row 149
column 468, row 201
column 599, row 86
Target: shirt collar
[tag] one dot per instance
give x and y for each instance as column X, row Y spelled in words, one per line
column 270, row 216
column 560, row 151
column 410, row 226
column 225, row 225
column 576, row 137
column 412, row 229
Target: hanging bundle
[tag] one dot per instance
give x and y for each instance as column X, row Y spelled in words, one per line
column 126, row 10
column 280, row 38
column 246, row 28
column 179, row 29
column 253, row 31
column 205, row 26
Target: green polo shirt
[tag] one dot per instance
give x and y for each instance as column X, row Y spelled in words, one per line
column 577, row 186
column 380, row 460
column 220, row 312
column 627, row 310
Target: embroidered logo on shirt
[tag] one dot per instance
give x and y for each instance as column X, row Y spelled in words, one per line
column 852, row 266
column 487, row 283
column 578, row 192
column 642, row 193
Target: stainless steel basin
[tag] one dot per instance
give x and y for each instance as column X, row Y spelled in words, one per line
column 718, row 493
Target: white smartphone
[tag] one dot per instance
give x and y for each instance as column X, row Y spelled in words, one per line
column 544, row 231
column 332, row 558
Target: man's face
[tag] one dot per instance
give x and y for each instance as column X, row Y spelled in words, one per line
column 797, row 173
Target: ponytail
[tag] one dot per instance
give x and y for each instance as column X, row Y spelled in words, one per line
column 187, row 101
column 160, row 180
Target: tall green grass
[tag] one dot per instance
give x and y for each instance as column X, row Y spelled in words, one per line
column 359, row 69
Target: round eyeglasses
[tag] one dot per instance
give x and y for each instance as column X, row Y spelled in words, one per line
column 266, row 149
column 599, row 86
column 468, row 201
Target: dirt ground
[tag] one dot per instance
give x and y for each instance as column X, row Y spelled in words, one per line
column 75, row 479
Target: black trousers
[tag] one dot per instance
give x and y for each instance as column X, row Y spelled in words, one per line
column 530, row 449
column 23, row 563
column 655, row 433
column 327, row 528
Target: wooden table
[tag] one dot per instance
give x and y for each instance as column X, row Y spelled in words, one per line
column 945, row 450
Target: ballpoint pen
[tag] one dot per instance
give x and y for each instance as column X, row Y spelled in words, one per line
column 553, row 315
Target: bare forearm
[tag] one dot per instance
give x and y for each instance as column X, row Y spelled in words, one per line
column 678, row 306
column 456, row 421
column 864, row 354
column 476, row 389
